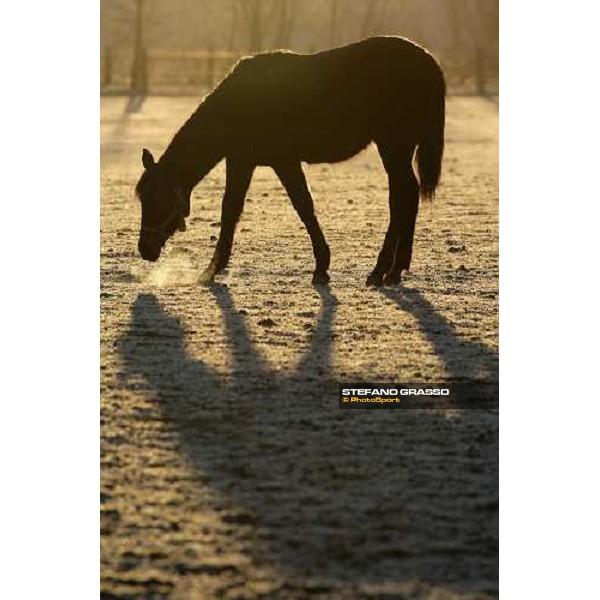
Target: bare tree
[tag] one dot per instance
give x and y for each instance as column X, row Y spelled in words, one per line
column 139, row 67
column 128, row 19
column 234, row 25
column 474, row 31
column 259, row 17
column 466, row 39
column 253, row 13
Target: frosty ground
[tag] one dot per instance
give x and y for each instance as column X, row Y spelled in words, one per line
column 228, row 470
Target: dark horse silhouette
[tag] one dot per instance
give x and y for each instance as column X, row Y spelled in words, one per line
column 280, row 109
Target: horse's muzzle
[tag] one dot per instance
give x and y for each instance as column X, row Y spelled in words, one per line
column 148, row 250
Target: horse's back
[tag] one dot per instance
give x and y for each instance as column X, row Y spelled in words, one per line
column 325, row 107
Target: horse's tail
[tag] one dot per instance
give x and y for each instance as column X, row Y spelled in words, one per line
column 431, row 147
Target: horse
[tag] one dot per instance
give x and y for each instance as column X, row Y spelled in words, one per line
column 280, row 109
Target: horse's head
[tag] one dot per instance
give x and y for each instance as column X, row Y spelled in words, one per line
column 164, row 208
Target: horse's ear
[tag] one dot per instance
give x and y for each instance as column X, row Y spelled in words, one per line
column 147, row 159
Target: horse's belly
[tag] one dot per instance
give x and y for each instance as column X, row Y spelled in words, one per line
column 328, row 143
column 331, row 152
column 311, row 141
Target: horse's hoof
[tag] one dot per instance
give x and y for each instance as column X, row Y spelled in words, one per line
column 374, row 280
column 392, row 278
column 320, row 278
column 206, row 278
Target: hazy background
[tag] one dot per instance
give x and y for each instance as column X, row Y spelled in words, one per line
column 185, row 46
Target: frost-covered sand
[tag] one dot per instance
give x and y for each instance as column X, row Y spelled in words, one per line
column 228, row 470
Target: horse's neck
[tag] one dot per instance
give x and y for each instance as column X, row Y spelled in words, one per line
column 194, row 150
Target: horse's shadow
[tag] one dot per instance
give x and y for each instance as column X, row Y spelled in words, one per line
column 349, row 496
column 464, row 360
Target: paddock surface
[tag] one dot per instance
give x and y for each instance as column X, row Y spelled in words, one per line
column 228, row 470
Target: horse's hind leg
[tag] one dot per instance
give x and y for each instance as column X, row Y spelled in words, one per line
column 397, row 160
column 386, row 254
column 409, row 208
column 293, row 180
column 403, row 255
column 237, row 182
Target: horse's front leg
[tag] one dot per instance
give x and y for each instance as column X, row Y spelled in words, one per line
column 237, row 182
column 291, row 175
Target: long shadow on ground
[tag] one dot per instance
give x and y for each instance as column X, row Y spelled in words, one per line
column 351, row 498
column 464, row 360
